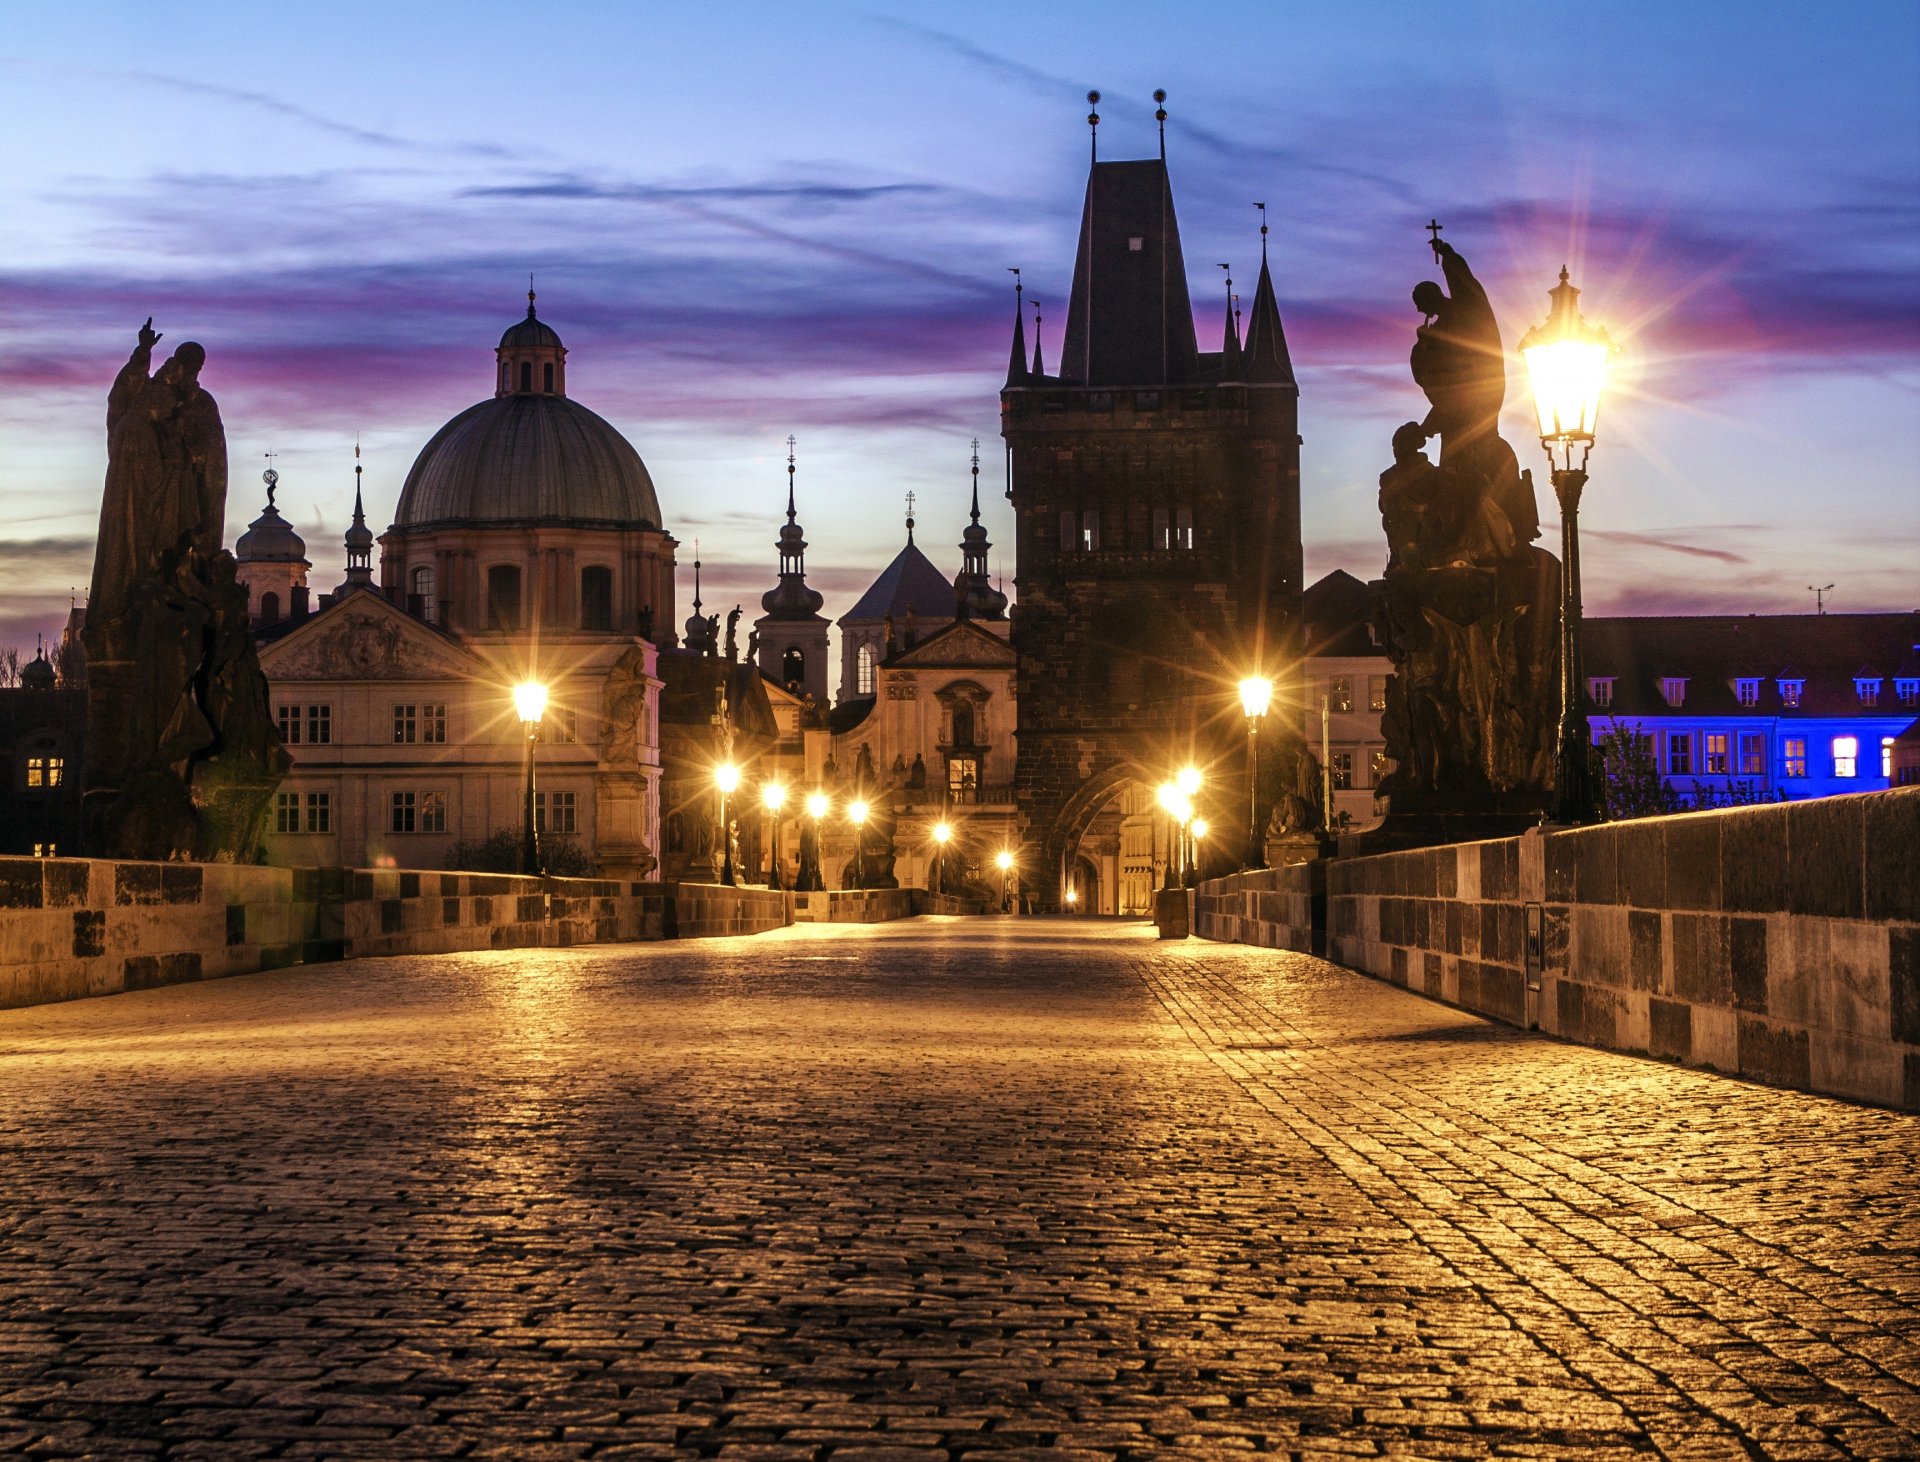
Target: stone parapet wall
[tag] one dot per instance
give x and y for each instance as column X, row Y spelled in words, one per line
column 1779, row 942
column 714, row 910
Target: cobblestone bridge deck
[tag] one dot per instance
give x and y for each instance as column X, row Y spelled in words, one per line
column 923, row 1190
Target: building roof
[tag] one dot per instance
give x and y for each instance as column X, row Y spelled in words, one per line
column 910, row 582
column 522, row 459
column 1711, row 652
column 1129, row 317
column 270, row 539
column 531, row 332
column 959, row 645
column 1338, row 612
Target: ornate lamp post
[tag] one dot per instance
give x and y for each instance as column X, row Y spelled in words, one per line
column 818, row 805
column 857, row 815
column 1004, row 861
column 530, row 704
column 726, row 777
column 1169, row 799
column 1201, row 827
column 1187, row 779
column 1567, row 366
column 942, row 835
column 773, row 796
column 1256, row 694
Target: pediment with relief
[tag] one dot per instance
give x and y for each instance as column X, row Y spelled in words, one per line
column 959, row 644
column 365, row 638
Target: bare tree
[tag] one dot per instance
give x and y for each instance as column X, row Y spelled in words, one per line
column 9, row 666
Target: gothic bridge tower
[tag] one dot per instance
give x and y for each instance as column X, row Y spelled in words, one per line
column 1157, row 494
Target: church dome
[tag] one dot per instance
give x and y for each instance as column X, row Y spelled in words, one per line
column 270, row 539
column 531, row 333
column 37, row 674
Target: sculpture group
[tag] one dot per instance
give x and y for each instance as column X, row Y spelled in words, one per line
column 1468, row 608
column 182, row 755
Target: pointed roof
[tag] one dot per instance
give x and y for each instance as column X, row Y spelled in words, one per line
column 909, row 582
column 1266, row 349
column 1130, row 318
column 1017, row 356
column 1230, row 341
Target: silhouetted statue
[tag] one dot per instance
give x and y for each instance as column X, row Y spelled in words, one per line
column 917, row 774
column 182, row 755
column 733, row 633
column 1303, row 808
column 1468, row 609
column 864, row 777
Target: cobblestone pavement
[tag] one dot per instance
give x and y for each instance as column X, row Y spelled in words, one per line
column 918, row 1191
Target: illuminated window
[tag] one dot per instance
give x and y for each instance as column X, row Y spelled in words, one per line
column 319, row 812
column 433, row 812
column 46, row 771
column 1183, row 528
column 286, row 812
column 1868, row 689
column 1090, row 531
column 963, row 779
column 1907, row 692
column 1680, row 754
column 1790, row 693
column 1377, row 765
column 1793, row 756
column 554, row 812
column 1886, row 756
column 1714, row 754
column 46, row 850
column 1846, row 756
column 1376, row 692
column 863, row 671
column 1162, row 529
column 1747, row 692
column 433, row 724
column 288, row 718
column 1340, row 693
column 402, row 812
column 1673, row 689
column 1753, row 754
column 1342, row 766
column 405, row 725
column 1600, row 690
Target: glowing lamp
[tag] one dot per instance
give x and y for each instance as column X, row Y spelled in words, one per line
column 726, row 777
column 1073, row 897
column 942, row 832
column 818, row 804
column 774, row 796
column 857, row 811
column 1566, row 362
column 1187, row 779
column 1256, row 694
column 530, row 702
column 1169, row 796
column 1003, row 860
column 1200, row 826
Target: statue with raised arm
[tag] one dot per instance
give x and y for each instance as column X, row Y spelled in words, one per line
column 182, row 756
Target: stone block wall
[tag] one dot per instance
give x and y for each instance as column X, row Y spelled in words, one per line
column 1779, row 942
column 714, row 910
column 876, row 905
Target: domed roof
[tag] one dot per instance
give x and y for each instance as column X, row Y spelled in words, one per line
column 528, row 459
column 37, row 674
column 270, row 539
column 530, row 332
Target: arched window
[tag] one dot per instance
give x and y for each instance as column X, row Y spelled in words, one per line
column 526, row 375
column 793, row 668
column 506, row 376
column 503, row 596
column 269, row 608
column 963, row 723
column 426, row 600
column 547, row 370
column 863, row 671
column 596, row 597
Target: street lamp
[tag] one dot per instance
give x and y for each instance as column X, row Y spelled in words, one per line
column 773, row 796
column 530, row 703
column 1004, row 861
column 1187, row 779
column 818, row 805
column 1169, row 799
column 942, row 835
column 857, row 814
column 726, row 777
column 1566, row 362
column 1073, row 899
column 1256, row 694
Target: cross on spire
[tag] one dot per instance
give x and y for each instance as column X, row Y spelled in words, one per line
column 976, row 480
column 911, row 500
column 790, row 508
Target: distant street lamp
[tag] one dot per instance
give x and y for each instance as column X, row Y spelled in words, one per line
column 818, row 805
column 773, row 796
column 857, row 815
column 1187, row 779
column 1004, row 861
column 1256, row 694
column 530, row 704
column 1169, row 799
column 942, row 835
column 1567, row 366
column 1073, row 899
column 726, row 777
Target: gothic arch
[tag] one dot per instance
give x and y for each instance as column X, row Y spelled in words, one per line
column 1060, row 842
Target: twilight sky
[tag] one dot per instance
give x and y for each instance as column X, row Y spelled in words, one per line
column 754, row 219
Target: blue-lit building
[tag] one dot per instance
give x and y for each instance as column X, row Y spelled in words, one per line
column 1801, row 705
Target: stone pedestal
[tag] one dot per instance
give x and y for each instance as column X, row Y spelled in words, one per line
column 1173, row 912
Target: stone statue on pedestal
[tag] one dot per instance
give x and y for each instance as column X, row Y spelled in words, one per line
column 182, row 755
column 1468, row 609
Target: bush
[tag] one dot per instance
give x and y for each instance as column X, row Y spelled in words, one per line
column 563, row 856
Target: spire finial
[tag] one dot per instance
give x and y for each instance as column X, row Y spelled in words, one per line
column 1160, row 116
column 696, row 576
column 911, row 500
column 529, row 294
column 271, row 476
column 790, row 510
column 358, row 514
column 1093, row 122
column 1263, row 233
column 975, row 515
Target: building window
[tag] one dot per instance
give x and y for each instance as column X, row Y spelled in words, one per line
column 1793, row 756
column 433, row 812
column 554, row 812
column 319, row 812
column 1377, row 765
column 1846, row 756
column 1907, row 691
column 46, row 771
column 1342, row 766
column 1747, row 692
column 1886, row 757
column 319, row 725
column 405, row 725
column 863, row 671
column 1340, row 693
column 1600, row 690
column 1376, row 692
column 546, row 373
column 1673, row 689
column 526, row 375
column 963, row 779
column 1714, row 754
column 1090, row 531
column 506, row 377
column 793, row 668
column 270, row 607
column 423, row 593
column 1680, row 754
column 1162, row 530
column 560, row 726
column 1868, row 690
column 433, row 724
column 286, row 812
column 1183, row 528
column 962, row 724
column 503, row 597
column 289, row 719
column 1790, row 693
column 46, row 850
column 402, row 810
column 1753, row 754
column 596, row 598
column 1069, row 530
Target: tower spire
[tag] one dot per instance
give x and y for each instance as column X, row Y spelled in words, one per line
column 1017, row 357
column 1039, row 365
column 974, row 515
column 359, row 537
column 530, row 294
column 1160, row 116
column 911, row 499
column 1093, row 123
column 974, row 596
column 1265, row 355
column 790, row 512
column 1230, row 343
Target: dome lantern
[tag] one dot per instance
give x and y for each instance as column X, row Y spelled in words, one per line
column 531, row 359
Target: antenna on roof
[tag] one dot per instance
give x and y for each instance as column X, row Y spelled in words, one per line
column 1160, row 116
column 1093, row 122
column 1820, row 597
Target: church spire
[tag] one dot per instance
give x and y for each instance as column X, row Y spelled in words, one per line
column 1230, row 336
column 973, row 591
column 1039, row 365
column 791, row 598
column 359, row 538
column 1017, row 356
column 1266, row 349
